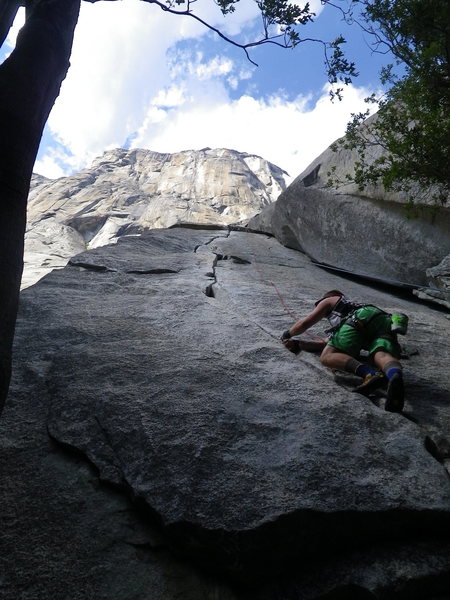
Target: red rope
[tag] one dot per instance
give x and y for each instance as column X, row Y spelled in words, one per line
column 283, row 303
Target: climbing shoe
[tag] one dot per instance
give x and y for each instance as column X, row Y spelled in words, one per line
column 395, row 394
column 371, row 382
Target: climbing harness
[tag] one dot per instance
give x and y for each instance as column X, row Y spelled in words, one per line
column 343, row 308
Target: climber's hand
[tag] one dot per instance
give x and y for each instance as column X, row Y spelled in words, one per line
column 292, row 345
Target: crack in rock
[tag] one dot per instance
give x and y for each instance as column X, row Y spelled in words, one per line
column 91, row 267
column 213, row 239
column 432, row 448
column 155, row 271
column 209, row 290
column 236, row 259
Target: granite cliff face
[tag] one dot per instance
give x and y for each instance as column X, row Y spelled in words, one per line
column 366, row 232
column 127, row 192
column 159, row 442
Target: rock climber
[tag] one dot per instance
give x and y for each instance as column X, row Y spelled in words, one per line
column 355, row 327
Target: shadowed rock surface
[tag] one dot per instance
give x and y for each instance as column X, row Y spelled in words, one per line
column 439, row 279
column 159, row 442
column 362, row 231
column 125, row 192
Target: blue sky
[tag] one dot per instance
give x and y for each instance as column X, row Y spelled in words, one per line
column 147, row 79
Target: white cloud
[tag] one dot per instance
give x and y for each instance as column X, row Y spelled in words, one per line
column 10, row 40
column 170, row 97
column 289, row 133
column 129, row 80
column 119, row 62
column 214, row 68
column 49, row 166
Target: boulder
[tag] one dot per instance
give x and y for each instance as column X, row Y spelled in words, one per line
column 439, row 284
column 370, row 233
column 160, row 442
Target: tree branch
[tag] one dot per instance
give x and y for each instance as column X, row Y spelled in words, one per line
column 188, row 13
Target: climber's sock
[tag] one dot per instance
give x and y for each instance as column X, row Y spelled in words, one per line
column 364, row 370
column 391, row 368
column 360, row 369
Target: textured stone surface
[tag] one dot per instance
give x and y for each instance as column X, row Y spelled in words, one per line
column 158, row 359
column 126, row 192
column 363, row 232
column 49, row 245
column 439, row 284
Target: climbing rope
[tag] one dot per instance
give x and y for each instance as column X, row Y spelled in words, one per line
column 283, row 303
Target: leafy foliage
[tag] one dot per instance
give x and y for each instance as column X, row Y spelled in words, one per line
column 413, row 124
column 412, row 128
column 281, row 25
